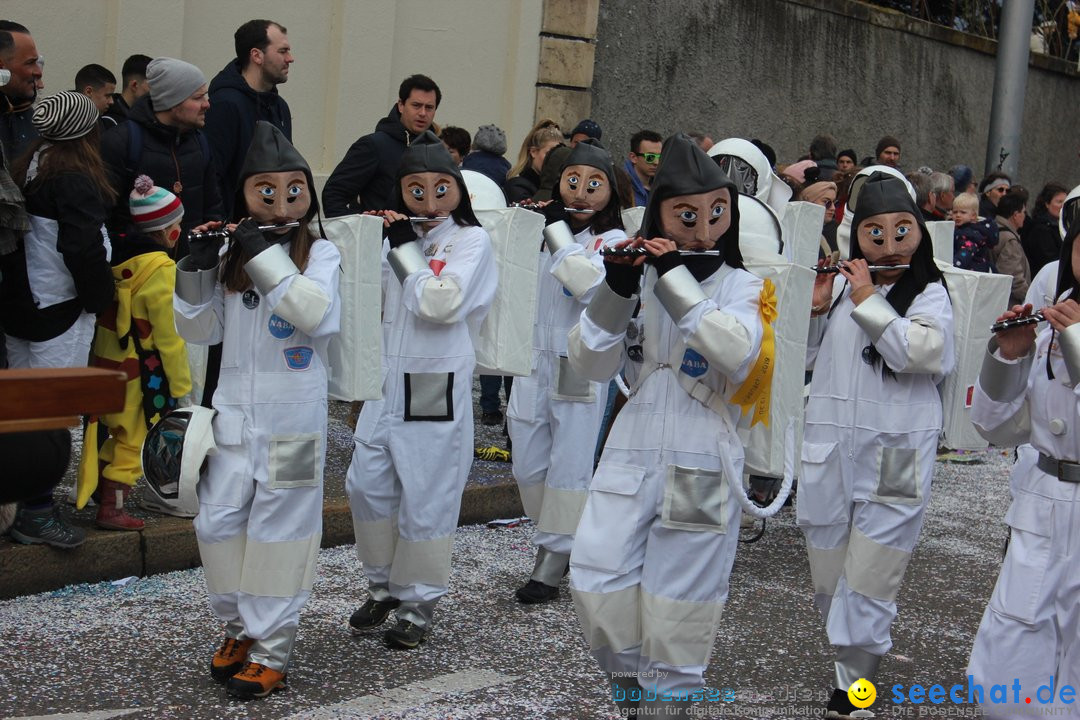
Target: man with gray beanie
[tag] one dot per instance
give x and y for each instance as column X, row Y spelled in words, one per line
column 164, row 139
column 489, row 146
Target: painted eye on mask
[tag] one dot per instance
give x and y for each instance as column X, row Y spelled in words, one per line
column 417, row 192
column 717, row 212
column 266, row 191
column 903, row 230
column 441, row 189
column 295, row 191
column 595, row 184
column 688, row 216
column 572, row 182
column 877, row 235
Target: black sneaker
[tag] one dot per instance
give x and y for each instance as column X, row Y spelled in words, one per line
column 535, row 592
column 494, row 417
column 371, row 614
column 33, row 527
column 404, row 636
column 839, row 706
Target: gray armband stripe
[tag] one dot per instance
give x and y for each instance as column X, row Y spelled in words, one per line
column 1003, row 381
column 195, row 287
column 269, row 268
column 678, row 292
column 610, row 310
column 1069, row 340
column 873, row 315
column 557, row 236
column 406, row 259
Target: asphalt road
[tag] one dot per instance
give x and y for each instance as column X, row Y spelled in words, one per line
column 141, row 650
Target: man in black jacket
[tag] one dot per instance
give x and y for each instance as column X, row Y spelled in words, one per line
column 244, row 92
column 163, row 139
column 365, row 178
column 133, row 86
column 19, row 56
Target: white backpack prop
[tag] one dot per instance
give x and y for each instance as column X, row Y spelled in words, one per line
column 978, row 299
column 942, row 232
column 632, row 218
column 355, row 354
column 504, row 343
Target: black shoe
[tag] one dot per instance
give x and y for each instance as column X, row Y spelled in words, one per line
column 371, row 614
column 494, row 417
column 839, row 705
column 535, row 592
column 404, row 635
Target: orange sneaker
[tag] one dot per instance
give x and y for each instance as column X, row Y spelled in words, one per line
column 229, row 658
column 255, row 681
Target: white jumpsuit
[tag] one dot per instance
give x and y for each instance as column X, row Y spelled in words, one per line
column 657, row 538
column 1030, row 630
column 414, row 447
column 554, row 414
column 260, row 501
column 869, row 447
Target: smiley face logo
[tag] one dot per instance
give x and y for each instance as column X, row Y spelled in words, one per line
column 862, row 693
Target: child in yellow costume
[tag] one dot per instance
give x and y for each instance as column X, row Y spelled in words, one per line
column 136, row 335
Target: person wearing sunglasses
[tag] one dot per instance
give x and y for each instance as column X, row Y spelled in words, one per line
column 642, row 162
column 823, row 193
column 991, row 189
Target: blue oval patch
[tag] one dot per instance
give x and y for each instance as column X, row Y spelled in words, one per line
column 280, row 327
column 693, row 364
column 298, row 358
column 566, row 292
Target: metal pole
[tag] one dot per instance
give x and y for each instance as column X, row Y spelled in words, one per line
column 1010, row 83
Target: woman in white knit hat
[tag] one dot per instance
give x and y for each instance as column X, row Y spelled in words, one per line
column 59, row 277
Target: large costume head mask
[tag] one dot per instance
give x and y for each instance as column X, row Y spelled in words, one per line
column 430, row 183
column 887, row 225
column 693, row 202
column 275, row 181
column 587, row 181
column 1069, row 224
column 843, row 230
column 751, row 172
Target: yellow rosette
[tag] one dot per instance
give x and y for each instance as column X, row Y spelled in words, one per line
column 756, row 391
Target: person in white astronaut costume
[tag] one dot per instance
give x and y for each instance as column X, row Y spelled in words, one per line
column 654, row 549
column 413, row 448
column 272, row 301
column 1027, row 393
column 554, row 411
column 879, row 344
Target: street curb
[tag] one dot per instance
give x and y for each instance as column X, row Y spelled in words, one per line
column 169, row 544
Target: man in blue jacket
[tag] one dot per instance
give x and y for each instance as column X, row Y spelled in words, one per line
column 365, row 178
column 244, row 92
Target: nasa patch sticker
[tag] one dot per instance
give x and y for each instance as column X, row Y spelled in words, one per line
column 298, row 358
column 250, row 298
column 693, row 364
column 280, row 327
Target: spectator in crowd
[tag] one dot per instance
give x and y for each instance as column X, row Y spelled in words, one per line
column 457, row 141
column 846, row 161
column 940, row 194
column 798, row 172
column 163, row 139
column 703, row 140
column 99, row 84
column 137, row 335
column 843, row 187
column 134, row 86
column 550, row 172
column 642, row 162
column 1041, row 236
column 583, row 131
column 963, row 179
column 488, row 148
column 19, row 56
column 523, row 180
column 991, row 189
column 823, row 192
column 365, row 178
column 974, row 237
column 887, row 151
column 244, row 92
column 823, row 152
column 1008, row 253
column 921, row 183
column 59, row 278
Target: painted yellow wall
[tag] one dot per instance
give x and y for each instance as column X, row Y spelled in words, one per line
column 350, row 55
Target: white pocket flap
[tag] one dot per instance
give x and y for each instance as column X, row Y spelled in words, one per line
column 617, row 478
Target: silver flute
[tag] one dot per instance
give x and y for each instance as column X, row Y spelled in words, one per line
column 1004, row 325
column 226, row 233
column 871, row 268
column 437, row 218
column 640, row 252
